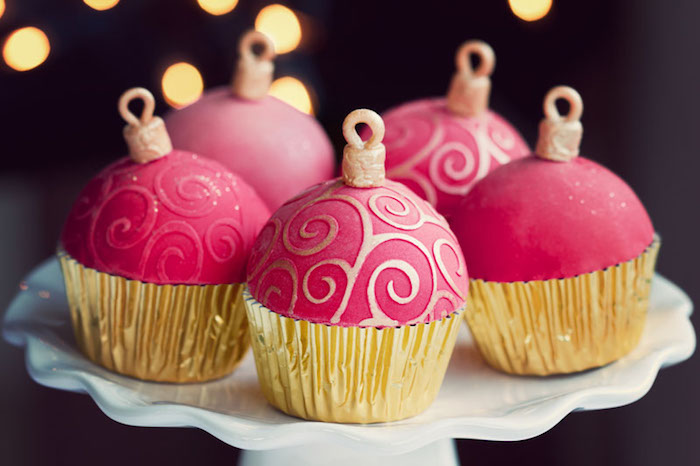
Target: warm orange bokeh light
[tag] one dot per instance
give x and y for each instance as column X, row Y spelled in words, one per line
column 101, row 5
column 26, row 48
column 281, row 25
column 182, row 84
column 2, row 7
column 530, row 10
column 217, row 7
column 293, row 92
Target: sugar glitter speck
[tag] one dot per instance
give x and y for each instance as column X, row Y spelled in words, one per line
column 612, row 195
column 44, row 294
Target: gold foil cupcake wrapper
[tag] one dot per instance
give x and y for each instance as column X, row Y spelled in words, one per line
column 349, row 374
column 562, row 325
column 164, row 333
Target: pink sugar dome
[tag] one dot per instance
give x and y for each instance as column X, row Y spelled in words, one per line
column 164, row 216
column 359, row 251
column 440, row 147
column 551, row 215
column 273, row 146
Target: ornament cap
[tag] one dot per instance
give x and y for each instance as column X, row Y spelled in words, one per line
column 560, row 136
column 253, row 74
column 470, row 88
column 363, row 161
column 146, row 137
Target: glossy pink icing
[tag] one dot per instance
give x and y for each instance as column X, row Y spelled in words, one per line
column 441, row 155
column 349, row 256
column 180, row 219
column 277, row 149
column 536, row 219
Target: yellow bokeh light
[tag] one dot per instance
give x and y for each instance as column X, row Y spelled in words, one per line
column 2, row 7
column 530, row 10
column 182, row 84
column 217, row 7
column 26, row 48
column 281, row 25
column 293, row 92
column 101, row 5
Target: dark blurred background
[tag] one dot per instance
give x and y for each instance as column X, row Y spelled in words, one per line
column 634, row 62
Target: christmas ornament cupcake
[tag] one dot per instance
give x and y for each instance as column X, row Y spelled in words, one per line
column 561, row 254
column 276, row 148
column 440, row 147
column 355, row 289
column 153, row 255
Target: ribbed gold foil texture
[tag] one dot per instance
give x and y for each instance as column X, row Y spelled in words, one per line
column 349, row 374
column 565, row 325
column 164, row 333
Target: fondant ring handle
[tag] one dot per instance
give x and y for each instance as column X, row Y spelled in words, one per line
column 566, row 93
column 371, row 119
column 363, row 161
column 149, row 106
column 487, row 59
column 252, row 37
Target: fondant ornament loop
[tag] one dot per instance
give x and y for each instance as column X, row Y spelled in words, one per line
column 470, row 88
column 253, row 74
column 146, row 137
column 560, row 136
column 363, row 161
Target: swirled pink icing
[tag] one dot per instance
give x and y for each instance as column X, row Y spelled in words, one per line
column 349, row 256
column 180, row 219
column 440, row 155
column 270, row 144
column 534, row 219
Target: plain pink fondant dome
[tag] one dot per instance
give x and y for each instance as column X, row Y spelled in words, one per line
column 277, row 149
column 535, row 219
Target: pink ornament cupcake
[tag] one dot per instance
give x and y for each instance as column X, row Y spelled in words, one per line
column 270, row 144
column 354, row 292
column 153, row 255
column 440, row 147
column 561, row 254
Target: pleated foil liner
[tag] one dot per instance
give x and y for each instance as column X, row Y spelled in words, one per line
column 562, row 325
column 349, row 374
column 164, row 333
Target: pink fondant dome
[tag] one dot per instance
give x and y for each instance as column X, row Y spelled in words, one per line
column 273, row 146
column 552, row 215
column 164, row 216
column 440, row 147
column 344, row 255
column 180, row 219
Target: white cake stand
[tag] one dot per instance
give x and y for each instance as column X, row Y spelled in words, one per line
column 475, row 402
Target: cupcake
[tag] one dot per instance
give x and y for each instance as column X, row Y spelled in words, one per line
column 153, row 254
column 355, row 289
column 561, row 254
column 440, row 147
column 276, row 148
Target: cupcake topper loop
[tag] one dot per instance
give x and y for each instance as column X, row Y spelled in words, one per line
column 253, row 74
column 470, row 88
column 363, row 161
column 560, row 136
column 146, row 136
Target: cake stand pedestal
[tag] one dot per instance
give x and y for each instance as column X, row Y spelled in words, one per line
column 475, row 401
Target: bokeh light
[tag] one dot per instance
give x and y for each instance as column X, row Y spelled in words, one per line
column 101, row 5
column 281, row 25
column 182, row 84
column 217, row 7
column 293, row 92
column 2, row 7
column 26, row 48
column 530, row 10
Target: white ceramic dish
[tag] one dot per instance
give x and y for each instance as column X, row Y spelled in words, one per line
column 475, row 402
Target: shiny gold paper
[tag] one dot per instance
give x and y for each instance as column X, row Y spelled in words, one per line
column 349, row 374
column 165, row 333
column 561, row 326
